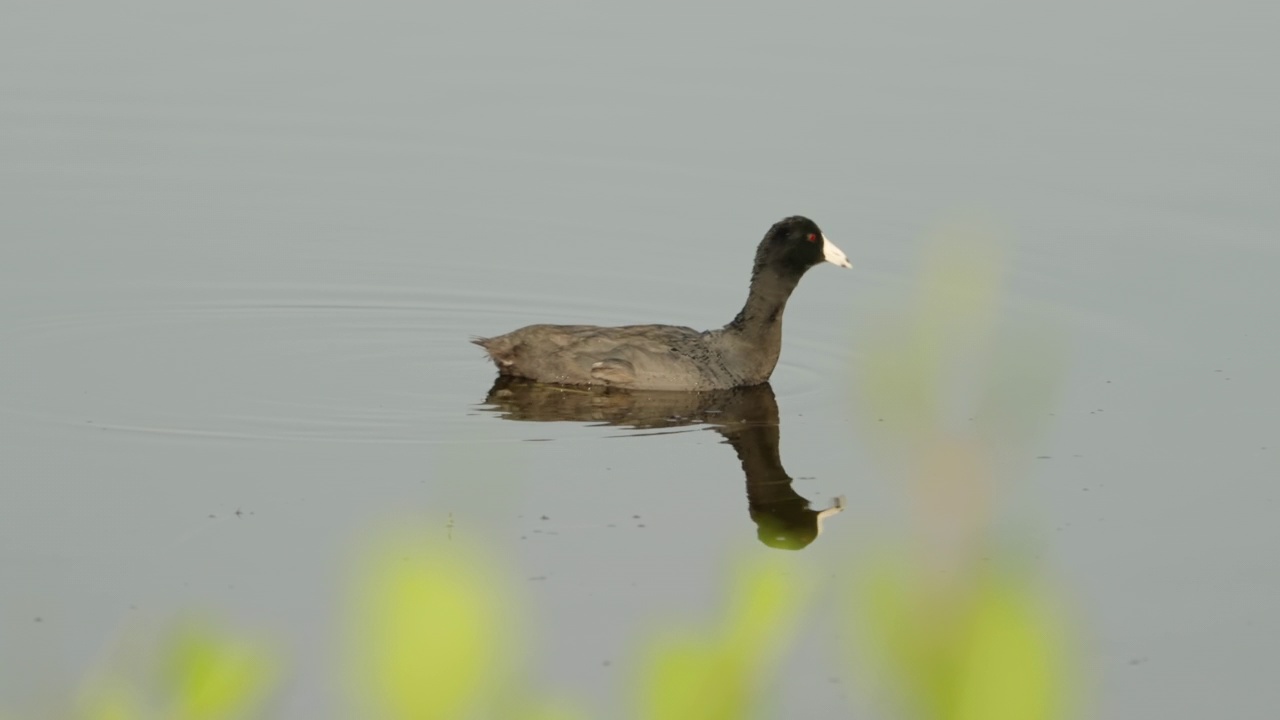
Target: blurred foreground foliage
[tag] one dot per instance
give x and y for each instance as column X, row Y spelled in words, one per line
column 948, row 623
column 432, row 635
column 951, row 622
column 993, row 650
column 719, row 676
column 203, row 673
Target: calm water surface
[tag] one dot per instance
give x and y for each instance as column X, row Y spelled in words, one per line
column 242, row 250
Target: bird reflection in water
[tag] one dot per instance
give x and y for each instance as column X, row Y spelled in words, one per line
column 746, row 417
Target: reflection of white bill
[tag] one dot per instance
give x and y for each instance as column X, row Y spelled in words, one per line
column 837, row 507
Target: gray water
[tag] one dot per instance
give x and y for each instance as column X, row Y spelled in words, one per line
column 242, row 248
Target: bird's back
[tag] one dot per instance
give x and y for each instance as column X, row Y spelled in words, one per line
column 650, row 357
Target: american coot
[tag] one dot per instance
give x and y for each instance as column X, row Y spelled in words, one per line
column 667, row 357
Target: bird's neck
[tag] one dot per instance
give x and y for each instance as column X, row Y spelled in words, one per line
column 761, row 316
column 757, row 329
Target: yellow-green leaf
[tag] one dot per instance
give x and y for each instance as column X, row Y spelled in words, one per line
column 429, row 627
column 1013, row 666
column 215, row 677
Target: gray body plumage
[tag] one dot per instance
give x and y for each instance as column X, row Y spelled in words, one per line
column 649, row 357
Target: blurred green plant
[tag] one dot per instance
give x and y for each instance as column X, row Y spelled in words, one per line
column 204, row 673
column 426, row 631
column 437, row 638
column 434, row 636
column 953, row 624
column 993, row 649
column 720, row 676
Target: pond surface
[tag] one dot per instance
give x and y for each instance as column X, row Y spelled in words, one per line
column 242, row 251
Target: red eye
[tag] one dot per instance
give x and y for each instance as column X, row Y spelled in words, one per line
column 812, row 237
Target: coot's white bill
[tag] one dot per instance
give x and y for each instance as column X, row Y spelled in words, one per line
column 833, row 254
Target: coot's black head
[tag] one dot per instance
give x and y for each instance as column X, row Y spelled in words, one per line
column 794, row 245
